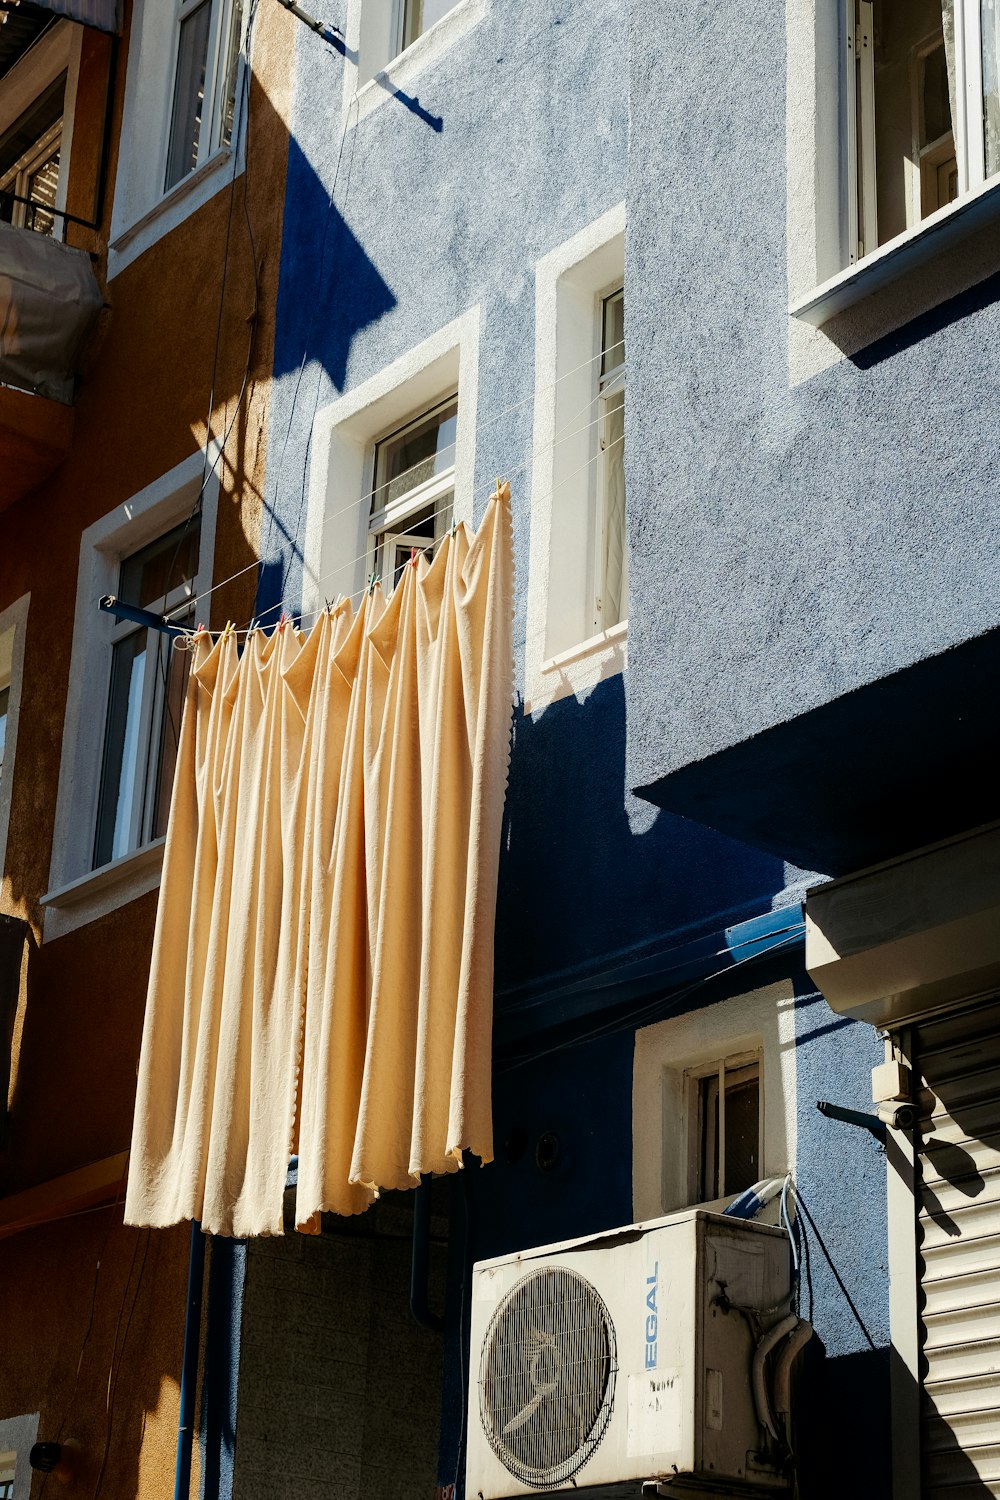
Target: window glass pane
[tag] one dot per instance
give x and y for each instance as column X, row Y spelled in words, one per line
column 121, row 782
column 613, row 340
column 614, row 605
column 4, row 708
column 414, row 455
column 742, row 1134
column 906, row 93
column 420, row 16
column 165, row 565
column 174, row 667
column 41, row 186
column 189, row 93
column 991, row 84
column 708, row 1116
column 231, row 73
column 392, row 549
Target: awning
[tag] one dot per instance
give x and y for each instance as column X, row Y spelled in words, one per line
column 49, row 299
column 102, row 14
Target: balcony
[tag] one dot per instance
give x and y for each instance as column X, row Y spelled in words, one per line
column 49, row 299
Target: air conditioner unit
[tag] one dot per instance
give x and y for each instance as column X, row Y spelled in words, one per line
column 648, row 1356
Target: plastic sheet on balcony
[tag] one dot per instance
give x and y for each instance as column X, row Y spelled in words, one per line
column 49, row 299
column 103, row 14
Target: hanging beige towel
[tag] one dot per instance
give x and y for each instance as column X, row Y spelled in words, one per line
column 323, row 959
column 172, row 1121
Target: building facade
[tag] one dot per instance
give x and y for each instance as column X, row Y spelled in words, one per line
column 715, row 299
column 138, row 267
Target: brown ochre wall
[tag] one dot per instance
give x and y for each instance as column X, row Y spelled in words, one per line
column 92, row 1313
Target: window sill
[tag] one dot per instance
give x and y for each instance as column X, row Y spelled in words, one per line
column 578, row 670
column 172, row 209
column 949, row 226
column 592, row 646
column 101, row 891
column 401, row 71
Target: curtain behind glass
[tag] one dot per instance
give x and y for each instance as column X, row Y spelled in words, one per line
column 948, row 29
column 189, row 94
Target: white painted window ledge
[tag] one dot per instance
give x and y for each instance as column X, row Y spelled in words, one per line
column 173, row 208
column 955, row 222
column 100, row 891
column 406, row 66
column 592, row 646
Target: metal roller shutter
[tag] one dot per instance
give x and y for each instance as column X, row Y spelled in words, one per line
column 958, row 1245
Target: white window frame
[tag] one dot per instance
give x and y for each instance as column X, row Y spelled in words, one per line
column 608, row 386
column 13, row 629
column 566, row 651
column 822, row 226
column 57, row 51
column 143, row 210
column 78, row 894
column 722, row 1068
column 152, row 707
column 386, row 524
column 210, row 134
column 373, row 28
column 337, row 550
column 672, row 1053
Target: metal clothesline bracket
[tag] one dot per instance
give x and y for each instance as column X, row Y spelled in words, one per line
column 112, row 606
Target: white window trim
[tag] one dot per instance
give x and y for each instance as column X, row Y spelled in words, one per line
column 77, row 894
column 143, row 212
column 18, row 1436
column 56, row 51
column 403, row 70
column 13, row 618
column 906, row 276
column 666, row 1055
column 586, row 266
column 341, row 474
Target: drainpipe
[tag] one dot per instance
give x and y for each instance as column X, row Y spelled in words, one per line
column 420, row 1262
column 189, row 1364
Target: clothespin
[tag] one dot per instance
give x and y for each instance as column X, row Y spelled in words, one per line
column 229, row 626
column 373, row 579
column 502, row 491
column 281, row 621
column 413, row 557
column 199, row 628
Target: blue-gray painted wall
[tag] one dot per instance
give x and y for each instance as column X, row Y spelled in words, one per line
column 534, row 108
column 806, row 557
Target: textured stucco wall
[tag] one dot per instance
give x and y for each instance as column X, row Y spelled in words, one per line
column 424, row 224
column 817, row 533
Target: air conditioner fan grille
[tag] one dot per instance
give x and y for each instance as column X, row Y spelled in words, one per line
column 547, row 1376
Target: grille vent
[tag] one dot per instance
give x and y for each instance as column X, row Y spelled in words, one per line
column 547, row 1376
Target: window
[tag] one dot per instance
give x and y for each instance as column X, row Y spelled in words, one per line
column 392, row 464
column 414, row 494
column 4, row 711
column 610, row 605
column 726, row 1127
column 12, row 637
column 713, row 1101
column 146, row 696
column 209, row 37
column 578, row 583
column 7, row 1485
column 388, row 27
column 923, row 110
column 30, row 156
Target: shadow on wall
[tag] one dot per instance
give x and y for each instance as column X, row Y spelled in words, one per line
column 588, row 869
column 329, row 290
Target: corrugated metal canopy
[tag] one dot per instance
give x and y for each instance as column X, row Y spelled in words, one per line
column 104, row 14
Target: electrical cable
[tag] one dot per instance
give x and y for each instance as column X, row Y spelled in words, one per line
column 114, row 1369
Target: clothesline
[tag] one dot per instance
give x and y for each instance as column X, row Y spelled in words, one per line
column 361, row 557
column 283, row 604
